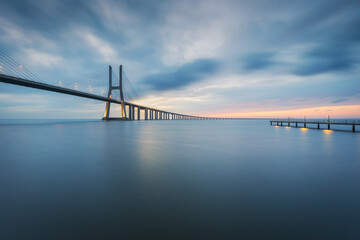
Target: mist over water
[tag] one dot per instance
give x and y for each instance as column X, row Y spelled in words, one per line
column 181, row 179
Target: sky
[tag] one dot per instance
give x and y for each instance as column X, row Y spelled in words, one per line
column 244, row 58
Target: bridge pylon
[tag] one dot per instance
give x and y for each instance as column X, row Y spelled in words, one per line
column 111, row 87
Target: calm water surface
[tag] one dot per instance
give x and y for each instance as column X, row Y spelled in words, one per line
column 193, row 179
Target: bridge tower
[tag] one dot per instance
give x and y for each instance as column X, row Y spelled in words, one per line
column 111, row 87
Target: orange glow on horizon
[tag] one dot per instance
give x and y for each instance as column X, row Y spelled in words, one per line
column 345, row 111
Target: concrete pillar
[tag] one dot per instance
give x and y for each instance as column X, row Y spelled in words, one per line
column 353, row 127
column 133, row 112
column 304, row 124
column 146, row 113
column 318, row 125
column 329, row 126
column 296, row 124
column 138, row 117
column 130, row 113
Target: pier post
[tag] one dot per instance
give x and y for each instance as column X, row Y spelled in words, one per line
column 304, row 124
column 353, row 127
column 318, row 125
column 146, row 114
column 138, row 118
column 295, row 124
column 328, row 126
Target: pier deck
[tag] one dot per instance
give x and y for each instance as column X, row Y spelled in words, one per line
column 319, row 124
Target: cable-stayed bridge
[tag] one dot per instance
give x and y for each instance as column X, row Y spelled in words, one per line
column 12, row 72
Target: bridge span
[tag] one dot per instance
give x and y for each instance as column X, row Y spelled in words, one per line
column 129, row 111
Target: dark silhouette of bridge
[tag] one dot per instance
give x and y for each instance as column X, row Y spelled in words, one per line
column 9, row 70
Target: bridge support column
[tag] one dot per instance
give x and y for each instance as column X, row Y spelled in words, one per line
column 353, row 127
column 146, row 113
column 304, row 124
column 318, row 125
column 328, row 126
column 133, row 112
column 296, row 124
column 130, row 113
column 111, row 87
column 138, row 116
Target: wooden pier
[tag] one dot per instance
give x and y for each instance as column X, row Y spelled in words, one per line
column 319, row 124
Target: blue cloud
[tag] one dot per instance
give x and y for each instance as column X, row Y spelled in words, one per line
column 324, row 59
column 257, row 61
column 185, row 75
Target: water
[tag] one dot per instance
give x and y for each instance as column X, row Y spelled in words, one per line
column 184, row 179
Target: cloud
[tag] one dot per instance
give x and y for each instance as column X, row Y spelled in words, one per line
column 42, row 58
column 257, row 61
column 185, row 75
column 324, row 59
column 102, row 47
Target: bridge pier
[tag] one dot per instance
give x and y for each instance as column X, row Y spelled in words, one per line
column 353, row 127
column 130, row 113
column 146, row 114
column 138, row 116
column 133, row 112
column 318, row 125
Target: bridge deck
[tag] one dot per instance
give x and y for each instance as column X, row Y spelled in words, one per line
column 52, row 88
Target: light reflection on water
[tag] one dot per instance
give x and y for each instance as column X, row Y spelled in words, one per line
column 177, row 179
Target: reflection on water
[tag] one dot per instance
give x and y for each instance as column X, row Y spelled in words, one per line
column 177, row 180
column 327, row 131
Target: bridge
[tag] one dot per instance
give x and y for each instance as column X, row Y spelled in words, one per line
column 13, row 73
